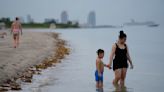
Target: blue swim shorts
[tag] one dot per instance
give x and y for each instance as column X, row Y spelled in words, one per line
column 97, row 77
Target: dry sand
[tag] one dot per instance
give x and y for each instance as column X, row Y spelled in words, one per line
column 34, row 48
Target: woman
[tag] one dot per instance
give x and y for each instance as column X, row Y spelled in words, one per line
column 16, row 28
column 120, row 53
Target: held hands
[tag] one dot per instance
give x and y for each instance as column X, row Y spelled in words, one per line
column 108, row 66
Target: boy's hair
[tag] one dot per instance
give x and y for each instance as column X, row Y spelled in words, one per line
column 100, row 51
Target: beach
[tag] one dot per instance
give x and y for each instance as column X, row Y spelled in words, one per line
column 76, row 72
column 34, row 48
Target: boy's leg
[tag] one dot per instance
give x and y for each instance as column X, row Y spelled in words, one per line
column 97, row 79
column 101, row 84
column 97, row 84
column 101, row 81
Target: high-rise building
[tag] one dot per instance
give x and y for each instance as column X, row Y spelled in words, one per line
column 64, row 17
column 50, row 20
column 21, row 19
column 29, row 19
column 92, row 19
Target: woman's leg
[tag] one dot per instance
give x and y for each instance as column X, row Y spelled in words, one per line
column 14, row 38
column 117, row 76
column 17, row 40
column 123, row 76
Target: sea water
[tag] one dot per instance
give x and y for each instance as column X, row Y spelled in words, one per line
column 76, row 72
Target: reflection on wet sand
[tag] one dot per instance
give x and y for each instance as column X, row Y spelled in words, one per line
column 100, row 90
column 118, row 88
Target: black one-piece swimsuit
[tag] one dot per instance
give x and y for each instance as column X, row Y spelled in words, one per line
column 120, row 60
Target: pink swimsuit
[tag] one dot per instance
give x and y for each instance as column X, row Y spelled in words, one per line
column 16, row 31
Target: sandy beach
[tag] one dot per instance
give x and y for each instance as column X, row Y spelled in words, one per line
column 34, row 48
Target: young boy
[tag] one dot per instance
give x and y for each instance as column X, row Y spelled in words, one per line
column 99, row 69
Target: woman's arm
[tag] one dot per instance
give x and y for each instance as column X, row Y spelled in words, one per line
column 129, row 58
column 112, row 55
column 20, row 26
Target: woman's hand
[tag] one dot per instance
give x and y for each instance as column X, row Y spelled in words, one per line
column 109, row 66
column 131, row 66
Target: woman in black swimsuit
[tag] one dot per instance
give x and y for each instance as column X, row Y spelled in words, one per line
column 120, row 53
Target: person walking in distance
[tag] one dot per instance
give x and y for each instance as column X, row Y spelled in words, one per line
column 16, row 29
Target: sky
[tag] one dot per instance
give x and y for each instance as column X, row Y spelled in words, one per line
column 107, row 11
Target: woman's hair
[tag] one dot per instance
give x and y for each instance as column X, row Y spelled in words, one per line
column 100, row 51
column 122, row 34
column 16, row 18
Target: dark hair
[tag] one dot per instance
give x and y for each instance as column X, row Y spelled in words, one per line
column 100, row 51
column 16, row 18
column 122, row 34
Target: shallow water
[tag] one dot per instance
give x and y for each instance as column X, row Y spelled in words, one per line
column 76, row 72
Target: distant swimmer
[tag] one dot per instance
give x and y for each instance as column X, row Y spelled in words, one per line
column 16, row 28
column 120, row 57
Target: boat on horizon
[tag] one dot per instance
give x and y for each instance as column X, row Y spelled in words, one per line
column 146, row 23
column 154, row 25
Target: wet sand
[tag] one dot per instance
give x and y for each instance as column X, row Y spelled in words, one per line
column 34, row 48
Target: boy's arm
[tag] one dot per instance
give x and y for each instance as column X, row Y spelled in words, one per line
column 105, row 65
column 98, row 67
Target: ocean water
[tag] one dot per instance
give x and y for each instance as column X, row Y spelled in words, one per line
column 76, row 72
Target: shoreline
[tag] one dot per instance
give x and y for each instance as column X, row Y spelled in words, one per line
column 37, row 51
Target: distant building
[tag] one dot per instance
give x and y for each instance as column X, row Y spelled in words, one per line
column 29, row 19
column 21, row 19
column 91, row 19
column 64, row 17
column 84, row 25
column 2, row 25
column 57, row 21
column 50, row 20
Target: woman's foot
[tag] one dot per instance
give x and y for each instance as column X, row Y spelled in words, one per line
column 115, row 83
column 123, row 88
column 17, row 44
column 14, row 46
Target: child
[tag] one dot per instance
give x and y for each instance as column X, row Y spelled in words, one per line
column 99, row 69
